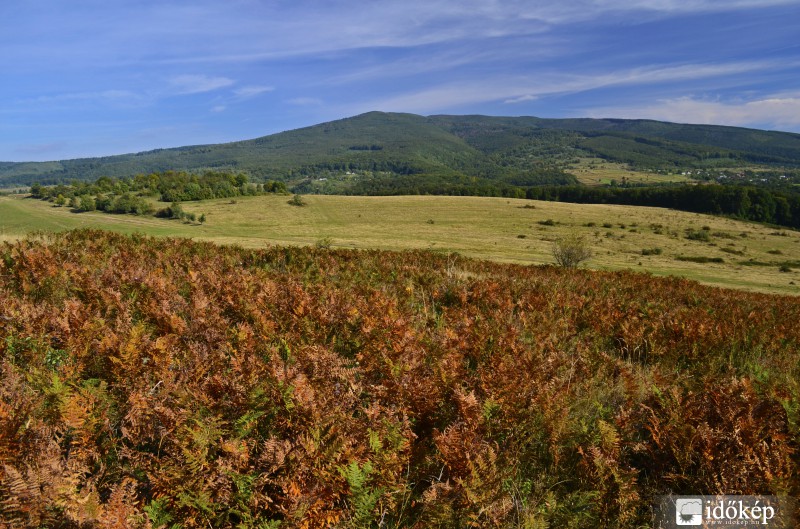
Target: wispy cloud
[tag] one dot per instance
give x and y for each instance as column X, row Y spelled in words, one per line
column 150, row 32
column 91, row 66
column 247, row 92
column 197, row 84
column 124, row 96
column 521, row 99
column 515, row 89
column 683, row 6
column 778, row 110
column 305, row 101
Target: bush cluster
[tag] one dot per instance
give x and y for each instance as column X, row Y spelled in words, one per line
column 129, row 195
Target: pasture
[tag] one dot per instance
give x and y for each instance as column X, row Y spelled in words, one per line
column 503, row 230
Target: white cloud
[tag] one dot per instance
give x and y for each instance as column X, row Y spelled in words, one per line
column 196, row 84
column 149, row 31
column 778, row 111
column 683, row 72
column 305, row 101
column 246, row 92
column 219, row 108
column 521, row 99
column 692, row 6
column 106, row 95
column 519, row 88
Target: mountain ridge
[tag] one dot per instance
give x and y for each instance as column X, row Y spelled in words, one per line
column 495, row 148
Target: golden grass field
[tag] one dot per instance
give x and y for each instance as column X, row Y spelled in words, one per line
column 498, row 229
column 597, row 171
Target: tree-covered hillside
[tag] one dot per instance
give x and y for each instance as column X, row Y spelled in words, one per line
column 388, row 152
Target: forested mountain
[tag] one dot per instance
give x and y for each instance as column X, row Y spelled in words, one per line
column 397, row 152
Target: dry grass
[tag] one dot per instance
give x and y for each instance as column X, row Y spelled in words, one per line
column 596, row 171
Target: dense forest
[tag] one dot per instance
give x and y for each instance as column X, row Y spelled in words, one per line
column 152, row 383
column 743, row 202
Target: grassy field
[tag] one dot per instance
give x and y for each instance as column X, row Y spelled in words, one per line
column 596, row 172
column 504, row 230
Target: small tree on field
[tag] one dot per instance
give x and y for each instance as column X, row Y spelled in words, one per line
column 297, row 200
column 570, row 251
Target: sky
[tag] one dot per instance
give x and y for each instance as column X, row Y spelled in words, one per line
column 82, row 78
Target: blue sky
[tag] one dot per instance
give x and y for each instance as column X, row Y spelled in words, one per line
column 96, row 77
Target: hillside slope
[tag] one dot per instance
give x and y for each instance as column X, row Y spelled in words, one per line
column 502, row 150
column 393, row 142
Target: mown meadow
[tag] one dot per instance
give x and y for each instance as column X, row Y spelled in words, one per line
column 710, row 249
column 160, row 382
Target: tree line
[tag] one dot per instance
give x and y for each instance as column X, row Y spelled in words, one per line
column 743, row 202
column 130, row 195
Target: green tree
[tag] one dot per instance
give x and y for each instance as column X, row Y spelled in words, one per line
column 571, row 250
column 297, row 200
column 87, row 203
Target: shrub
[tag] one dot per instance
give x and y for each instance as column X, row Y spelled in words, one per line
column 697, row 235
column 173, row 211
column 297, row 200
column 87, row 203
column 548, row 222
column 700, row 259
column 651, row 251
column 732, row 251
column 324, row 243
column 570, row 251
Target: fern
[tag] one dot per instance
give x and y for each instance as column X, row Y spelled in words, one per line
column 362, row 498
column 158, row 513
column 192, row 385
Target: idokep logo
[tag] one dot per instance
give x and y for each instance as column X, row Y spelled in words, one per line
column 728, row 511
column 689, row 511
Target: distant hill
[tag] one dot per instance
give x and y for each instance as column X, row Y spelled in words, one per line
column 393, row 151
